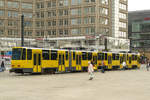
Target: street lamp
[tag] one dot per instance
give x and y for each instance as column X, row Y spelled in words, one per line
column 22, row 30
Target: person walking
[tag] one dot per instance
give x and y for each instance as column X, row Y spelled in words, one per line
column 90, row 71
column 103, row 69
column 124, row 65
column 148, row 65
column 3, row 66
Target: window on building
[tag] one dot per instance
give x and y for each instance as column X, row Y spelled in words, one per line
column 136, row 27
column 60, row 22
column 40, row 5
column 76, row 2
column 49, row 32
column 65, row 21
column 122, row 25
column 75, row 11
column 123, row 15
column 49, row 4
column 92, row 9
column 54, row 3
column 76, row 31
column 12, row 23
column 86, row 20
column 103, row 11
column 1, row 22
column 54, row 22
column 92, row 19
column 105, row 2
column 123, row 6
column 40, row 33
column 104, row 31
column 65, row 12
column 103, row 21
column 63, row 2
column 89, row 1
column 26, row 6
column 60, row 12
column 1, row 13
column 27, row 33
column 53, row 32
column 76, row 21
column 28, row 24
column 1, row 31
column 27, row 15
column 49, row 23
column 13, row 4
column 1, row 3
column 66, row 32
column 60, row 32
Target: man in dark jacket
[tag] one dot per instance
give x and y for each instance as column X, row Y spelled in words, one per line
column 3, row 66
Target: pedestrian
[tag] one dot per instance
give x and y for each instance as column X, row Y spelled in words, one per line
column 90, row 71
column 124, row 65
column 148, row 65
column 102, row 68
column 3, row 66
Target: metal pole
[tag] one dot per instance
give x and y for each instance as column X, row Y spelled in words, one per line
column 105, row 43
column 22, row 30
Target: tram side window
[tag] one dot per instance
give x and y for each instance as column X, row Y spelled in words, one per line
column 84, row 56
column 99, row 56
column 66, row 55
column 117, row 56
column 45, row 54
column 132, row 57
column 89, row 56
column 135, row 57
column 24, row 54
column 124, row 57
column 102, row 56
column 105, row 56
column 127, row 57
column 16, row 53
column 29, row 54
column 73, row 55
column 53, row 55
column 139, row 60
column 113, row 56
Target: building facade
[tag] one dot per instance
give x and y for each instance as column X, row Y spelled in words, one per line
column 139, row 30
column 53, row 23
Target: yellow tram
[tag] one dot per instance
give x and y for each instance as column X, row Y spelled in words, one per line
column 40, row 60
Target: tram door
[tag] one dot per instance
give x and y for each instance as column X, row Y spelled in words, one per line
column 36, row 62
column 61, row 62
column 109, row 62
column 78, row 62
column 95, row 62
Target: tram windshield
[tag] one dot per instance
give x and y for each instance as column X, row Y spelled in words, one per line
column 16, row 54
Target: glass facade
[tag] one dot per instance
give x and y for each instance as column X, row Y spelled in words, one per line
column 140, row 34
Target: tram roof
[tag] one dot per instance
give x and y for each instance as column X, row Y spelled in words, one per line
column 76, row 50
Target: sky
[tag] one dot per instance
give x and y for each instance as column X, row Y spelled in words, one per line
column 138, row 5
